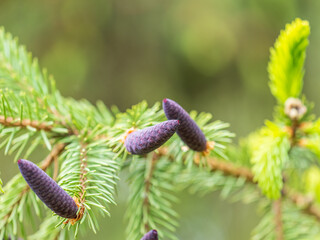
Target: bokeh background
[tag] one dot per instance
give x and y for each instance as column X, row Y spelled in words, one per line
column 208, row 55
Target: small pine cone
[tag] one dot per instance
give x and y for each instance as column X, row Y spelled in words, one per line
column 188, row 130
column 146, row 140
column 49, row 192
column 151, row 235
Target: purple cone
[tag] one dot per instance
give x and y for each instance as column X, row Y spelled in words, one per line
column 188, row 130
column 146, row 140
column 151, row 235
column 48, row 190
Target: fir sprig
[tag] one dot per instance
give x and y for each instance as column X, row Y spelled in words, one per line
column 89, row 173
column 201, row 182
column 13, row 207
column 1, row 190
column 150, row 204
column 269, row 156
column 49, row 231
column 308, row 227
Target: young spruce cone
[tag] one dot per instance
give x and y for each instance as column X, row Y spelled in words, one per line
column 151, row 235
column 48, row 190
column 146, row 140
column 188, row 130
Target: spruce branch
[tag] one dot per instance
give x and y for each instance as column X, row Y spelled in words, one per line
column 53, row 155
column 89, row 174
column 277, row 208
column 229, row 169
column 296, row 225
column 304, row 202
column 83, row 180
column 48, row 230
column 151, row 167
column 24, row 123
column 1, row 190
column 150, row 204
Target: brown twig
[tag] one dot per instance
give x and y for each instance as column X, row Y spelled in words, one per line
column 230, row 169
column 55, row 152
column 147, row 186
column 55, row 168
column 277, row 209
column 17, row 122
column 23, row 123
column 83, row 179
column 306, row 203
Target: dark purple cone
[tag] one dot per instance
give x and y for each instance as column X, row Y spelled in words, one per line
column 188, row 130
column 48, row 190
column 146, row 140
column 151, row 235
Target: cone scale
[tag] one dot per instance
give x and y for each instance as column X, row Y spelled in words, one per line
column 49, row 192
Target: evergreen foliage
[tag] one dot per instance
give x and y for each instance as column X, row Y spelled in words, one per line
column 287, row 59
column 269, row 155
column 86, row 152
column 1, row 190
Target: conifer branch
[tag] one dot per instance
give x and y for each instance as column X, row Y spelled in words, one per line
column 12, row 122
column 277, row 208
column 83, row 178
column 53, row 155
column 306, row 203
column 147, row 186
column 55, row 168
column 24, row 191
column 24, row 123
column 229, row 169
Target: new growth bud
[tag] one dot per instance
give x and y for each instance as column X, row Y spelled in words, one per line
column 151, row 235
column 294, row 108
column 188, row 130
column 49, row 192
column 146, row 140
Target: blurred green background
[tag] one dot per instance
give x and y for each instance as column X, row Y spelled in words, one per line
column 208, row 55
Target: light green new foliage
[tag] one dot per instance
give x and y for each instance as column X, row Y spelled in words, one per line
column 311, row 180
column 269, row 154
column 286, row 61
column 1, row 190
